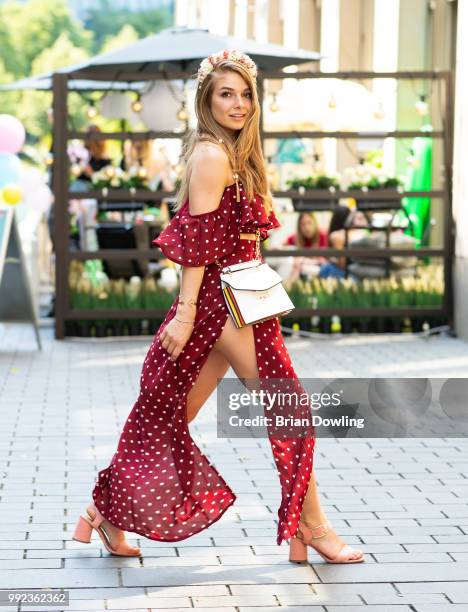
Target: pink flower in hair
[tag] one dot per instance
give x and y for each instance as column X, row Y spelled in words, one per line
column 210, row 62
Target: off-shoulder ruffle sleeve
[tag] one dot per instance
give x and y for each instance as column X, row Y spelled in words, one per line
column 198, row 240
column 253, row 216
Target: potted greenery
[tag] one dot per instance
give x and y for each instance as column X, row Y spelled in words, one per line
column 368, row 177
column 112, row 177
column 318, row 181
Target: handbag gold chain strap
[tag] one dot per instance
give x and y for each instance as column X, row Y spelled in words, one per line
column 257, row 248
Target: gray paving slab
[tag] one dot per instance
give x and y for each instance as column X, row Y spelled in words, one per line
column 403, row 501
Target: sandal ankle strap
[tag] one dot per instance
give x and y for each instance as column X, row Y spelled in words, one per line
column 323, row 529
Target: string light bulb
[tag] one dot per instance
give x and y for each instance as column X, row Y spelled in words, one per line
column 331, row 101
column 75, row 169
column 379, row 112
column 137, row 105
column 92, row 111
column 422, row 106
column 182, row 114
column 413, row 161
column 274, row 106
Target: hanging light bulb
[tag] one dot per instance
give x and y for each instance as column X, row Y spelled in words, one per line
column 331, row 101
column 92, row 111
column 182, row 114
column 274, row 106
column 318, row 166
column 75, row 169
column 421, row 106
column 413, row 162
column 137, row 105
column 142, row 172
column 360, row 170
column 379, row 112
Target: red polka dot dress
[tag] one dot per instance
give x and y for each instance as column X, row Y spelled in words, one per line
column 159, row 484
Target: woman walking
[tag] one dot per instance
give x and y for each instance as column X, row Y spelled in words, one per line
column 159, row 484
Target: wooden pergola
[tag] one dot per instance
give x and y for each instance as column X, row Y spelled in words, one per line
column 180, row 52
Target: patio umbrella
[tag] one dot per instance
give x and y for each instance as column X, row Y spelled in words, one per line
column 43, row 82
column 178, row 49
column 182, row 48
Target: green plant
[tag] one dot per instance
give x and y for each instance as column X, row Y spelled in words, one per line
column 424, row 289
column 319, row 181
column 369, row 176
column 114, row 177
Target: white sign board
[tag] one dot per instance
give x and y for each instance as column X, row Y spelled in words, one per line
column 16, row 301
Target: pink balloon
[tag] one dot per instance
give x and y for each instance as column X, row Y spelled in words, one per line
column 12, row 134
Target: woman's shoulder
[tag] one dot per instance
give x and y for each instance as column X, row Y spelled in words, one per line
column 208, row 167
column 206, row 151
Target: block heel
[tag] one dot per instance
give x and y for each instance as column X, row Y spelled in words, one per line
column 85, row 526
column 297, row 551
column 83, row 531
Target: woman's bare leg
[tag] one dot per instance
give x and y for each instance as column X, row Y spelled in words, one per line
column 238, row 347
column 312, row 511
column 214, row 368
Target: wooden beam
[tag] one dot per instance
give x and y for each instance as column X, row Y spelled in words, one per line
column 60, row 206
column 118, row 75
column 128, row 254
column 405, row 311
column 151, row 134
column 347, row 135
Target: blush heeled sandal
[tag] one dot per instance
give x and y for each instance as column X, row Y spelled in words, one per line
column 84, row 528
column 304, row 537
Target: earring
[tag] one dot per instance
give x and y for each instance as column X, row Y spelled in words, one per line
column 220, row 140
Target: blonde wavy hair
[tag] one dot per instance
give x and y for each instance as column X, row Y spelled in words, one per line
column 244, row 153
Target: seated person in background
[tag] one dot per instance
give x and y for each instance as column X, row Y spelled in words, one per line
column 143, row 154
column 98, row 158
column 342, row 217
column 308, row 235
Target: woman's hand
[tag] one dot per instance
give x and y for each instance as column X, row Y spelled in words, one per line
column 176, row 334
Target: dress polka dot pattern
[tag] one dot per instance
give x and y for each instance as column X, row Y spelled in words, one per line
column 159, row 484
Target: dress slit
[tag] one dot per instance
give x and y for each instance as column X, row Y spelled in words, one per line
column 159, row 484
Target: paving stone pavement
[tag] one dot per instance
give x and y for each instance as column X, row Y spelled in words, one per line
column 403, row 501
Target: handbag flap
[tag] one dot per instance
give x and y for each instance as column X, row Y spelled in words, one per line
column 241, row 266
column 258, row 278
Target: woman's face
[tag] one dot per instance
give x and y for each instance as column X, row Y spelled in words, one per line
column 359, row 219
column 307, row 226
column 231, row 101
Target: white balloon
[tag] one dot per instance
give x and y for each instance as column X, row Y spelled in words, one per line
column 30, row 179
column 39, row 200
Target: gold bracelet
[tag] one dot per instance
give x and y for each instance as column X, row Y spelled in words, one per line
column 180, row 320
column 190, row 300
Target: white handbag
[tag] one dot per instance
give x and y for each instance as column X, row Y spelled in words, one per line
column 253, row 291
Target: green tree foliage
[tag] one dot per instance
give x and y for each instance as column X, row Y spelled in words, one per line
column 9, row 102
column 39, row 36
column 26, row 29
column 34, row 105
column 106, row 21
column 126, row 36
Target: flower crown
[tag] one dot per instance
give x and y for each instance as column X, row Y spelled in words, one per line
column 210, row 62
